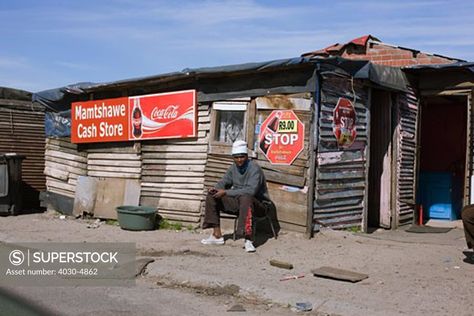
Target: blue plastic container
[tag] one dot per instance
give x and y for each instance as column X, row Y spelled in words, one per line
column 436, row 195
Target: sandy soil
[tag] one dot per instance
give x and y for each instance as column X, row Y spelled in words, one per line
column 409, row 274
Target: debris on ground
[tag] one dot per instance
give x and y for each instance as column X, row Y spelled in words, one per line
column 237, row 308
column 427, row 229
column 95, row 224
column 281, row 264
column 303, row 307
column 339, row 274
column 292, row 277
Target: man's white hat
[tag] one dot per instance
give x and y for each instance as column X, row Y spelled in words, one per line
column 239, row 147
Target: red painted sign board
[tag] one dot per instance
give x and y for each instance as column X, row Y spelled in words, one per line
column 344, row 123
column 155, row 116
column 281, row 137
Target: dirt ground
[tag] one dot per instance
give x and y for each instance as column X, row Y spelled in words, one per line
column 409, row 273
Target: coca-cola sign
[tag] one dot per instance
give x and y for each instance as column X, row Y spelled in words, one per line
column 154, row 116
column 170, row 112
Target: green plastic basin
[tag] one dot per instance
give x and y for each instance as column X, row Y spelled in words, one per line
column 136, row 217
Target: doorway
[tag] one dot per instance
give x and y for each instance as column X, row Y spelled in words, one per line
column 442, row 160
column 379, row 212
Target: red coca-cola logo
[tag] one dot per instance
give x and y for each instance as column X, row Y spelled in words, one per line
column 170, row 112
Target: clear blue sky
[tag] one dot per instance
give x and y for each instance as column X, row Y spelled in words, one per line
column 51, row 43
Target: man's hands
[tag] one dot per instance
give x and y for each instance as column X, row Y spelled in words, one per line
column 217, row 193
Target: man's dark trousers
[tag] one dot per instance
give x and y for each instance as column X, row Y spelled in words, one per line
column 467, row 215
column 245, row 206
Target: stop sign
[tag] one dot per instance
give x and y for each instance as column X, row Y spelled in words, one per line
column 281, row 137
column 344, row 124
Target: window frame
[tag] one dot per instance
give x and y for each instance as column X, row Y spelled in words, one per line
column 219, row 147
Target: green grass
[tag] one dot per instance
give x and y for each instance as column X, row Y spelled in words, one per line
column 165, row 224
column 353, row 229
column 112, row 222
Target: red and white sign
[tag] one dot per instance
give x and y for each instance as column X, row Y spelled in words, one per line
column 154, row 116
column 281, row 137
column 344, row 124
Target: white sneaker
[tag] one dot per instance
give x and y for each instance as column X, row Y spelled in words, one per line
column 249, row 247
column 212, row 240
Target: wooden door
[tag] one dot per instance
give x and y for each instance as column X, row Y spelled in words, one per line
column 380, row 169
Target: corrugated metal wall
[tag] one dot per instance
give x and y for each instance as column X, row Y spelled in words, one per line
column 340, row 185
column 469, row 149
column 407, row 113
column 22, row 132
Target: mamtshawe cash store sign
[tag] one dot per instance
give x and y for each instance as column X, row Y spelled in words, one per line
column 154, row 116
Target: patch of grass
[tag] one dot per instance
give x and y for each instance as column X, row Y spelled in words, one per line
column 112, row 222
column 165, row 224
column 190, row 227
column 354, row 229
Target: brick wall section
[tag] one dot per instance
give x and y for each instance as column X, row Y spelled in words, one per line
column 382, row 54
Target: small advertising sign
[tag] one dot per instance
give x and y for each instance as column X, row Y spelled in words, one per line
column 155, row 116
column 281, row 137
column 344, row 124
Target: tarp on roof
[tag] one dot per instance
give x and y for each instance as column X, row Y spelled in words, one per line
column 14, row 94
column 258, row 66
column 384, row 76
column 469, row 66
column 60, row 99
column 283, row 76
column 57, row 124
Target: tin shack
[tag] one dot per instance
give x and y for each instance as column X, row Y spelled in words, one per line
column 445, row 139
column 317, row 126
column 418, row 166
column 22, row 133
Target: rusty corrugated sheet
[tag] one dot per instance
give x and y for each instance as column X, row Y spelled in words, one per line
column 22, row 132
column 340, row 185
column 407, row 109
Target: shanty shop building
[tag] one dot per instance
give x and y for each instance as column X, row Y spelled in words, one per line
column 445, row 130
column 336, row 139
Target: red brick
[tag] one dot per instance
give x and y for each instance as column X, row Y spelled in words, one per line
column 378, row 46
column 439, row 60
column 386, row 57
column 402, row 56
column 424, row 60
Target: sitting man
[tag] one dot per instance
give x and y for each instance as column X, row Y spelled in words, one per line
column 243, row 191
column 467, row 215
